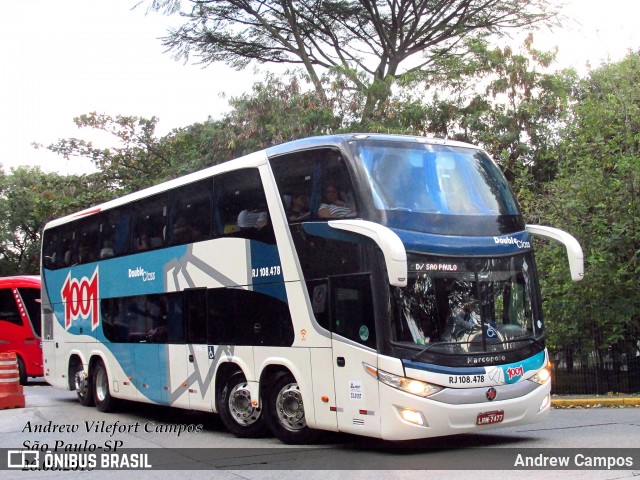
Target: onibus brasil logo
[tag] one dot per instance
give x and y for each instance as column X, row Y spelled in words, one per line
column 80, row 298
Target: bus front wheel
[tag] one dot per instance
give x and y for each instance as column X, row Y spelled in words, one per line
column 101, row 394
column 236, row 410
column 285, row 412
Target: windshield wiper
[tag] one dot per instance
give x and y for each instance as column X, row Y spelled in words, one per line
column 444, row 344
column 438, row 344
column 400, row 209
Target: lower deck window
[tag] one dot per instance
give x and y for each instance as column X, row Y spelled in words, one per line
column 221, row 316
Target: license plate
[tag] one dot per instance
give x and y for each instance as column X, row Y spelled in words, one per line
column 487, row 418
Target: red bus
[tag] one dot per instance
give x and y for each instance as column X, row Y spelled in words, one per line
column 20, row 323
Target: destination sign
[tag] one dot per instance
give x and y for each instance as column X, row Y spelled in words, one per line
column 440, row 266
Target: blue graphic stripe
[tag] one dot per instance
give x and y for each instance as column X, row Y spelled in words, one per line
column 456, row 245
column 428, row 367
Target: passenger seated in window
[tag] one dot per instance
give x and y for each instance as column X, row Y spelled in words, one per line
column 299, row 209
column 144, row 242
column 107, row 249
column 84, row 253
column 257, row 218
column 184, row 232
column 333, row 207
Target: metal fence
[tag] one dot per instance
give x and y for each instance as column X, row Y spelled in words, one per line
column 580, row 370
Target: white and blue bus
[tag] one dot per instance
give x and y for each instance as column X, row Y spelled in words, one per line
column 378, row 285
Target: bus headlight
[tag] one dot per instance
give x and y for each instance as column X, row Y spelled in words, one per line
column 542, row 376
column 409, row 385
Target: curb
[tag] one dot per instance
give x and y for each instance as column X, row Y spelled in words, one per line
column 606, row 402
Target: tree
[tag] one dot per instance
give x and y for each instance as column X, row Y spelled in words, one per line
column 139, row 159
column 370, row 43
column 596, row 197
column 29, row 198
column 508, row 101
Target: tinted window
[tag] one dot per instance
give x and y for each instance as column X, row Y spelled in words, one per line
column 149, row 224
column 319, row 295
column 223, row 316
column 241, row 206
column 196, row 315
column 312, row 173
column 50, row 248
column 8, row 308
column 321, row 257
column 31, row 301
column 439, row 189
column 190, row 215
column 243, row 317
column 114, row 233
column 352, row 309
column 143, row 319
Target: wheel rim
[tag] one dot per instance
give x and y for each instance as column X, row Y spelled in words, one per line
column 101, row 385
column 290, row 408
column 80, row 380
column 240, row 407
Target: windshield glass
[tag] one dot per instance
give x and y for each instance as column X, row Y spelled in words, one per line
column 438, row 188
column 468, row 306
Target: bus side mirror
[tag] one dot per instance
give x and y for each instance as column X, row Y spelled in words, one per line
column 574, row 250
column 395, row 256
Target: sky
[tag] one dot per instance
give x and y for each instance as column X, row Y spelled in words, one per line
column 61, row 59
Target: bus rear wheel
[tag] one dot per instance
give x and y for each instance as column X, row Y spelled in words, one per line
column 237, row 411
column 101, row 394
column 285, row 412
column 83, row 387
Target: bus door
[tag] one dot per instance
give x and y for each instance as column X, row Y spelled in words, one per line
column 354, row 344
column 199, row 358
column 53, row 348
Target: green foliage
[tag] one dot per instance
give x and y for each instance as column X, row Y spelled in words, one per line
column 596, row 196
column 28, row 199
column 137, row 160
column 370, row 44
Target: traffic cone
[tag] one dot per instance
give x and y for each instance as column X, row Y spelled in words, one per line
column 11, row 393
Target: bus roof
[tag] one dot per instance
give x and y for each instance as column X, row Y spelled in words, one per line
column 20, row 281
column 253, row 160
column 342, row 139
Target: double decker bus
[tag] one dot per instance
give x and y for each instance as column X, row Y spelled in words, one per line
column 378, row 285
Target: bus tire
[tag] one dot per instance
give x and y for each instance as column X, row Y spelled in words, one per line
column 22, row 371
column 285, row 412
column 83, row 386
column 238, row 415
column 100, row 385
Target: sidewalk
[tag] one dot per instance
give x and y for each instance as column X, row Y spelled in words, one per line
column 596, row 401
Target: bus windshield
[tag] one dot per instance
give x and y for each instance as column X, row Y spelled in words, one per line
column 468, row 306
column 436, row 188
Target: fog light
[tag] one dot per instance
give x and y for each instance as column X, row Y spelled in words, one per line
column 545, row 402
column 412, row 416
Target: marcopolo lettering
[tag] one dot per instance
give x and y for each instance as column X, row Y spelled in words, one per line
column 487, row 359
column 512, row 241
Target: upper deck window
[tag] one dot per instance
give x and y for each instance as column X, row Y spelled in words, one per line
column 421, row 187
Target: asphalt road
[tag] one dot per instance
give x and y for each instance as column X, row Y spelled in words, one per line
column 578, row 434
